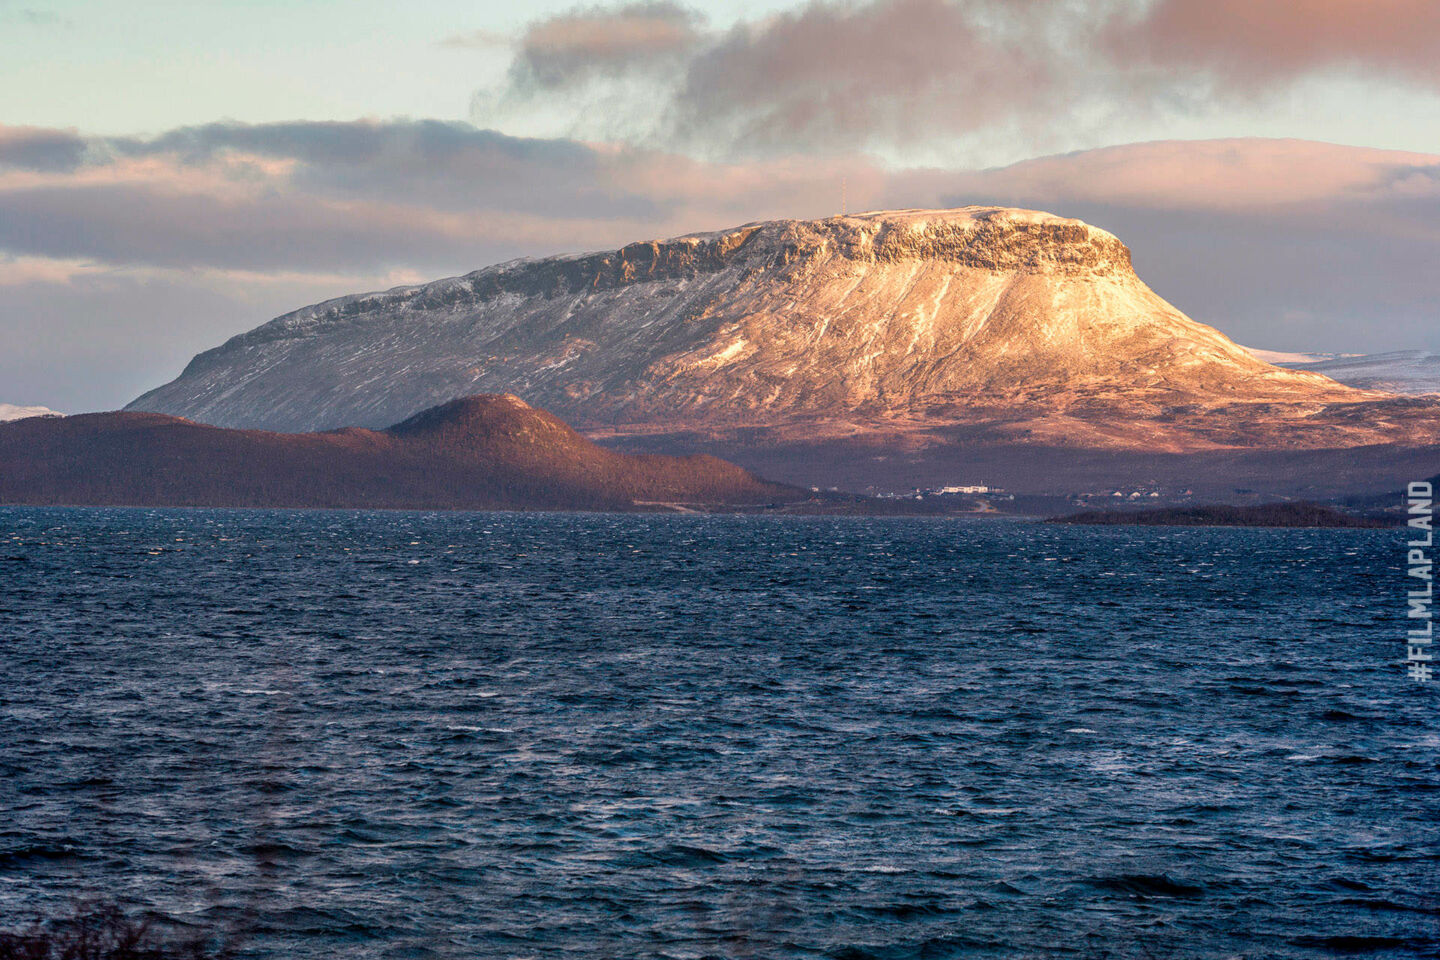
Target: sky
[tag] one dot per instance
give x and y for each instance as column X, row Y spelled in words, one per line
column 172, row 174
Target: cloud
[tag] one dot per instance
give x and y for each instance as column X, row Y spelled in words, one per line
column 561, row 51
column 35, row 148
column 322, row 196
column 592, row 73
column 476, row 40
column 1255, row 43
column 1238, row 175
column 897, row 76
column 830, row 75
column 35, row 271
column 449, row 165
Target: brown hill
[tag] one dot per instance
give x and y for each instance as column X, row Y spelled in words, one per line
column 478, row 452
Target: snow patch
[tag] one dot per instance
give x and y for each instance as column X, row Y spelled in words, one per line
column 10, row 411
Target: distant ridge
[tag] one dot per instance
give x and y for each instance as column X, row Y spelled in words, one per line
column 478, row 452
column 1399, row 371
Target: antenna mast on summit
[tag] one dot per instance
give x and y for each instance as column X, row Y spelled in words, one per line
column 844, row 208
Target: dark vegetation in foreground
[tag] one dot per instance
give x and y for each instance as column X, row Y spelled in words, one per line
column 100, row 933
column 1222, row 515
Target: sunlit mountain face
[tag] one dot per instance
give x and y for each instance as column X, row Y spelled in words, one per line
column 1032, row 327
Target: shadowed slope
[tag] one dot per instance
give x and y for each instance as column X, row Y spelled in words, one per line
column 481, row 452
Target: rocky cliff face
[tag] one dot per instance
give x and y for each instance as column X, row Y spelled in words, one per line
column 1031, row 323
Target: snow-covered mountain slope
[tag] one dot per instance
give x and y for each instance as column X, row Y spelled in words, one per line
column 883, row 321
column 9, row 411
column 1287, row 358
column 1400, row 371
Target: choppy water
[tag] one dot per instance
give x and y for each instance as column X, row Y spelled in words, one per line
column 479, row 735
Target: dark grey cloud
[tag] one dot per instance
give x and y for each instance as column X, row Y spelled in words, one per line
column 34, row 148
column 416, row 143
column 151, row 224
column 452, row 165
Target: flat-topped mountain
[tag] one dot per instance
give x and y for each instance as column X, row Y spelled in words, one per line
column 1024, row 325
column 478, row 452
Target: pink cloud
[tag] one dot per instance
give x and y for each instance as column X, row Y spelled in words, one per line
column 1231, row 175
column 1249, row 42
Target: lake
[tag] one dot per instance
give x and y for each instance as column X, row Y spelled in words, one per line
column 557, row 735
